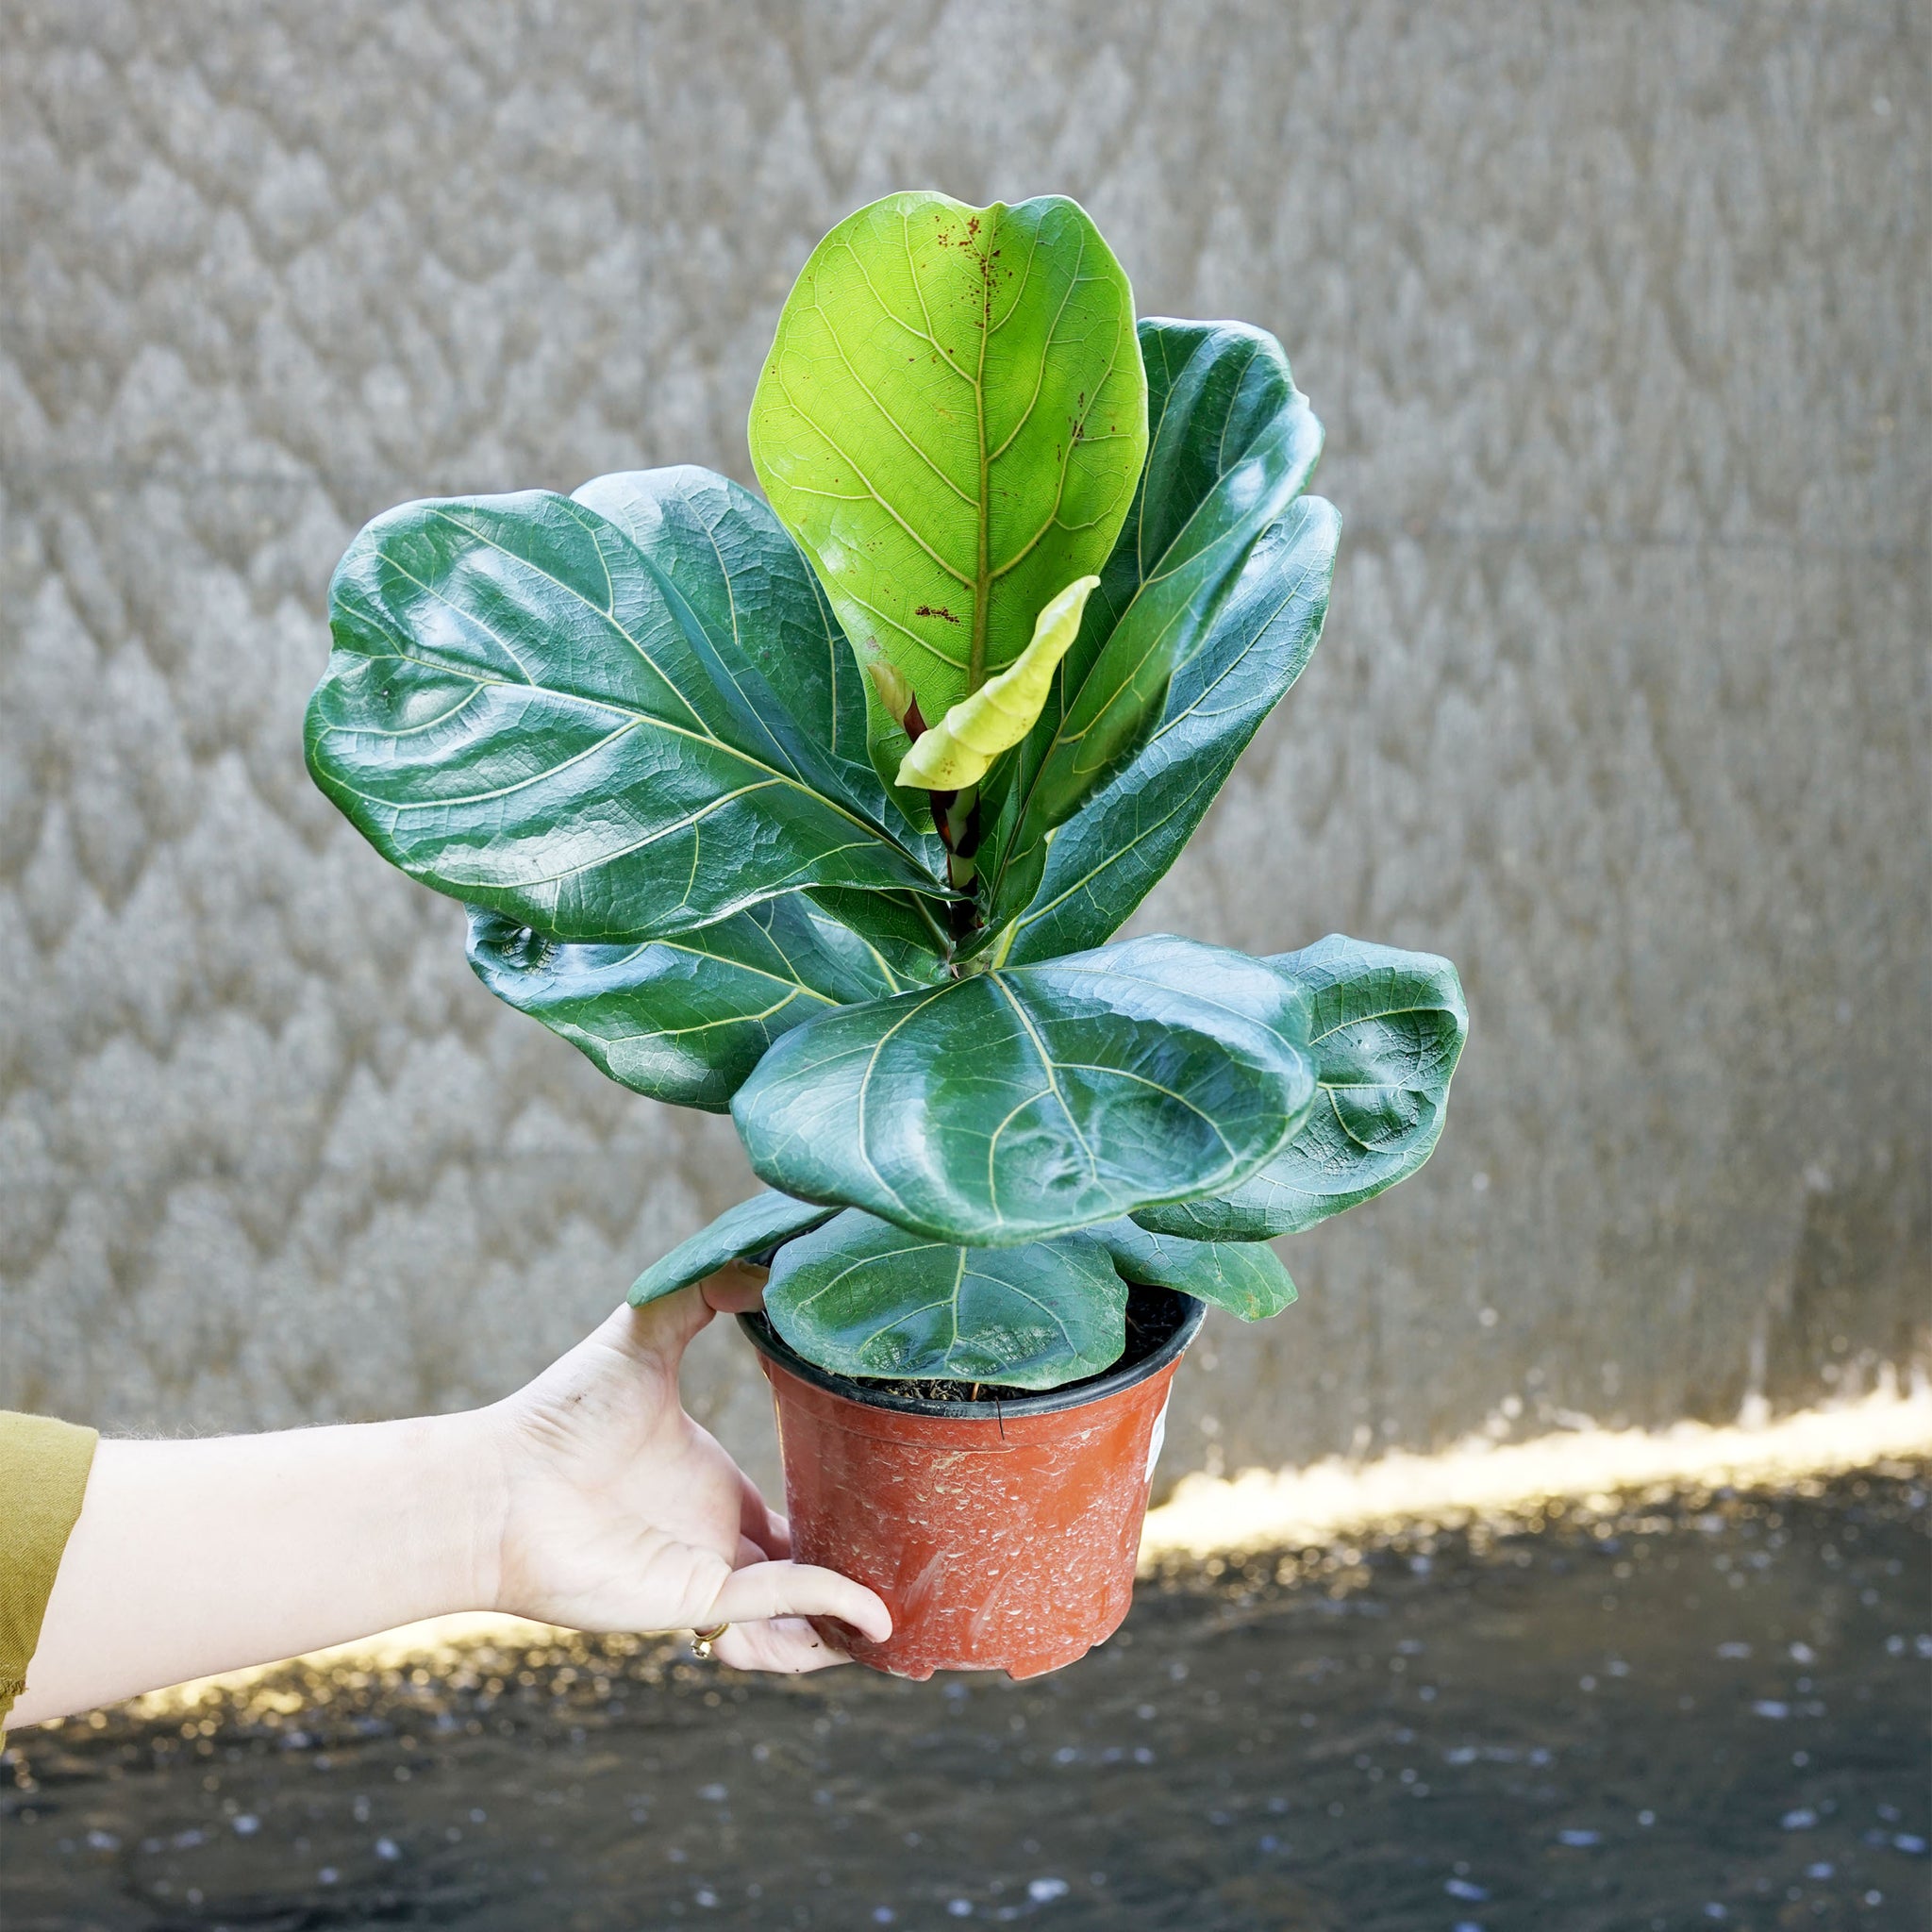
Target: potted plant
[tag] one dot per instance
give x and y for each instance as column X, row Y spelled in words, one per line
column 824, row 808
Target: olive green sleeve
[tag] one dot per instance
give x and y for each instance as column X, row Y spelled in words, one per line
column 43, row 1469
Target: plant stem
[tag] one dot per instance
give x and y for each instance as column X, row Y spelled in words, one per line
column 955, row 817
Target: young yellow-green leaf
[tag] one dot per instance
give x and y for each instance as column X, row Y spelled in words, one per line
column 951, row 423
column 957, row 750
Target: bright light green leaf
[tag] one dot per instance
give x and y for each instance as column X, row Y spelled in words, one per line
column 752, row 1227
column 525, row 710
column 951, row 422
column 1113, row 852
column 1386, row 1029
column 1244, row 1277
column 684, row 1020
column 1008, row 1106
column 956, row 751
column 862, row 1297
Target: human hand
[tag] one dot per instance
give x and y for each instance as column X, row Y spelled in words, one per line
column 620, row 1513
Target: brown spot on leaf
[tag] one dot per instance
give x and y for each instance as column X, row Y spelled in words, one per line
column 936, row 610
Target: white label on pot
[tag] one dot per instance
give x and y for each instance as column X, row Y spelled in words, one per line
column 1158, row 1439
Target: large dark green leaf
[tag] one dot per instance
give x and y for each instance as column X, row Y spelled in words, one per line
column 905, row 929
column 1233, row 443
column 684, row 1020
column 1113, row 851
column 752, row 1227
column 861, row 1297
column 1387, row 1028
column 951, row 421
column 755, row 613
column 1012, row 1104
column 521, row 710
column 1244, row 1277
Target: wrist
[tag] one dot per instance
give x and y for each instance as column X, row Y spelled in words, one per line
column 468, row 1501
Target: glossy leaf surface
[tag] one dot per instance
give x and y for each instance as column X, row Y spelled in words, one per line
column 1387, row 1028
column 1232, row 443
column 521, row 710
column 752, row 1227
column 684, row 1020
column 754, row 611
column 1244, row 1277
column 1006, row 1106
column 904, row 929
column 862, row 1297
column 1115, row 850
column 951, row 422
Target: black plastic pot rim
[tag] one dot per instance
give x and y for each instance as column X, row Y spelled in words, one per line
column 773, row 1345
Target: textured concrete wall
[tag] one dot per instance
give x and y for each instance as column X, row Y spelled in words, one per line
column 1618, row 320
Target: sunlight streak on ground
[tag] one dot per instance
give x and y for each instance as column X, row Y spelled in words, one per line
column 1274, row 1508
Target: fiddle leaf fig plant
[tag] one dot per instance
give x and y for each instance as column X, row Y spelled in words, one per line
column 823, row 809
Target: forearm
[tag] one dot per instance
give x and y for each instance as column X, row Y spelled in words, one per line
column 190, row 1557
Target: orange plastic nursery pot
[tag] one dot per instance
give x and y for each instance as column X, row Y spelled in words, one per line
column 1002, row 1536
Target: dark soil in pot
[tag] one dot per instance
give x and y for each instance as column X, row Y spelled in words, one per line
column 1155, row 1317
column 1000, row 1528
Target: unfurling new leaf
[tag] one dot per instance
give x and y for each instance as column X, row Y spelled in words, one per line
column 894, row 693
column 958, row 751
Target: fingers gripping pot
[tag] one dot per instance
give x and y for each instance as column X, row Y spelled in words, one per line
column 1002, row 1536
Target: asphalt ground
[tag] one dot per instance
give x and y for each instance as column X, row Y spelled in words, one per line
column 1662, row 1711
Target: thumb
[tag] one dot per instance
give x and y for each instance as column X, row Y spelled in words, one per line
column 736, row 1289
column 659, row 1333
